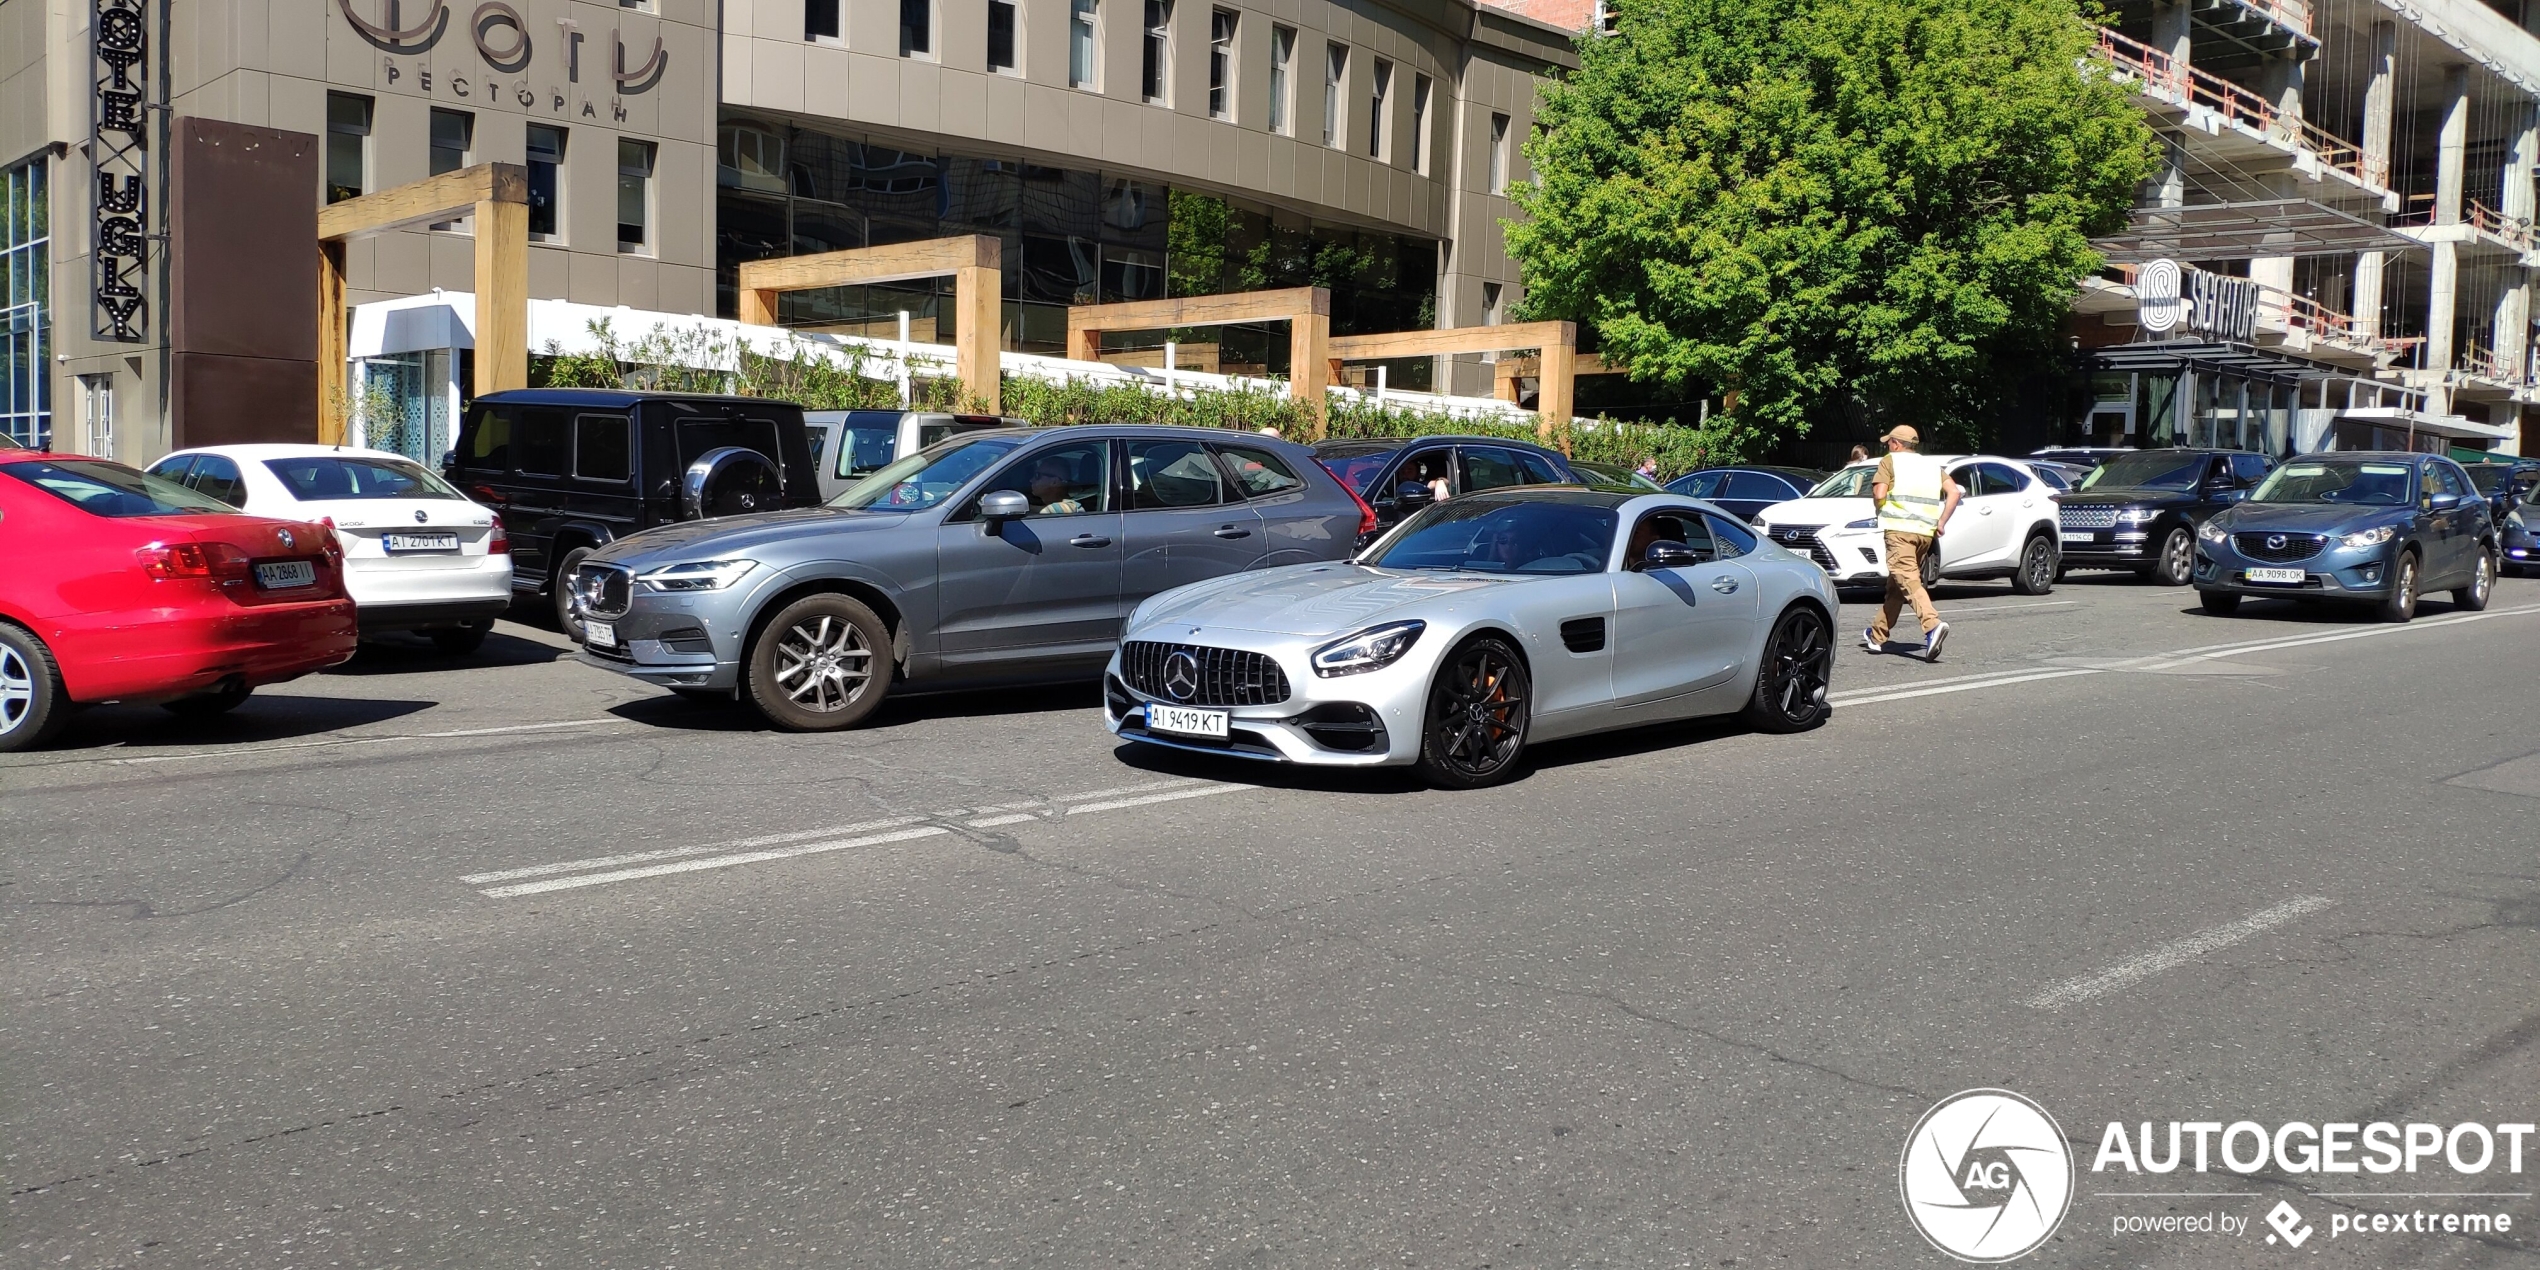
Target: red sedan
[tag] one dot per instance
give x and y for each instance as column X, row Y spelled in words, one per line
column 124, row 587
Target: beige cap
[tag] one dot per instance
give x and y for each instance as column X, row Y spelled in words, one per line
column 1904, row 433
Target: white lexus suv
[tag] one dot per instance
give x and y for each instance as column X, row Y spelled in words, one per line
column 2005, row 526
column 418, row 555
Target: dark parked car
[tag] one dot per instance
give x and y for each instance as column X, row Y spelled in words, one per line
column 987, row 557
column 2369, row 528
column 575, row 469
column 2505, row 483
column 1614, row 477
column 2140, row 510
column 2519, row 547
column 1400, row 475
column 1744, row 491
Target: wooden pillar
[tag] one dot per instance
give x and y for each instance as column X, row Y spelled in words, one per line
column 502, row 296
column 1560, row 381
column 977, row 305
column 1084, row 345
column 1507, row 380
column 1310, row 367
column 758, row 308
column 333, row 344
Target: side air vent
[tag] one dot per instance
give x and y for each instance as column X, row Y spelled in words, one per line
column 1584, row 634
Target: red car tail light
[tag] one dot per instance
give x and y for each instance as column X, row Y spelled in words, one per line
column 1366, row 514
column 500, row 544
column 192, row 560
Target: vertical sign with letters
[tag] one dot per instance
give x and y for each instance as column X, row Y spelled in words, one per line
column 119, row 158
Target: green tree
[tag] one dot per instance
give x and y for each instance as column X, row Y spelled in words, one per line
column 1829, row 206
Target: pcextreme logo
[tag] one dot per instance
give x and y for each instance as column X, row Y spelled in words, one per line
column 1986, row 1175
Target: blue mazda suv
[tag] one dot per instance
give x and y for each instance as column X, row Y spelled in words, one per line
column 2359, row 528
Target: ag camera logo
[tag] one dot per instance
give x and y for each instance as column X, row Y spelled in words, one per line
column 1986, row 1175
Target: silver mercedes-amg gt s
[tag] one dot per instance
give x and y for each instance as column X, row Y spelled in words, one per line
column 1477, row 626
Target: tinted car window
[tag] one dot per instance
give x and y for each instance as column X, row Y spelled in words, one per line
column 924, row 479
column 326, row 477
column 1172, row 474
column 489, row 442
column 1062, row 480
column 111, row 489
column 1757, row 487
column 1700, row 484
column 2054, row 478
column 2249, row 469
column 1539, row 470
column 600, row 448
column 172, row 468
column 1732, row 537
column 1492, row 536
column 542, row 442
column 1258, row 472
column 1487, row 467
column 216, row 477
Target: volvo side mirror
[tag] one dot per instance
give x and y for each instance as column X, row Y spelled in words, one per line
column 1003, row 505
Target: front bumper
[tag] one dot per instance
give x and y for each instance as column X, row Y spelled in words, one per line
column 2337, row 573
column 1852, row 557
column 1364, row 720
column 675, row 641
column 2119, row 548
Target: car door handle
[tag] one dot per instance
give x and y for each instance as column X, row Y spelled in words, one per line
column 1984, row 511
column 1724, row 585
column 1233, row 531
column 1089, row 540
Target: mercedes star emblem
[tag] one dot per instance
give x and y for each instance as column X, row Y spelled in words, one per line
column 1181, row 675
column 2275, row 542
column 288, row 542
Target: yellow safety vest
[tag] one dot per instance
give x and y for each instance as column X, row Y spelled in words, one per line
column 1913, row 495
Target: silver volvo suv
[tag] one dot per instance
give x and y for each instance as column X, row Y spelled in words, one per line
column 991, row 557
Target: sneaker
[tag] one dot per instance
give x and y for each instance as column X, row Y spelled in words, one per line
column 1871, row 643
column 1933, row 639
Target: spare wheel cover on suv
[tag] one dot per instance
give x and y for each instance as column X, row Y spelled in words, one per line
column 731, row 481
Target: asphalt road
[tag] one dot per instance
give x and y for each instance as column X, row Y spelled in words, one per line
column 508, row 962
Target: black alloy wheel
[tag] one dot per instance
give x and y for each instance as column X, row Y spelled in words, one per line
column 2176, row 564
column 2400, row 604
column 1477, row 716
column 1790, row 686
column 2041, row 563
column 568, row 614
column 2482, row 583
column 821, row 664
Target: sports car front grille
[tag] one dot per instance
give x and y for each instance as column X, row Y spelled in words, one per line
column 2279, row 548
column 1803, row 539
column 603, row 590
column 2086, row 517
column 1223, row 676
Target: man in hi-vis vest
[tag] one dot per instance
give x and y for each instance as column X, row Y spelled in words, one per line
column 1915, row 498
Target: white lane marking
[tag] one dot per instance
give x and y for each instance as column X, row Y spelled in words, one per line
column 1118, row 789
column 1875, row 697
column 282, row 746
column 1955, row 610
column 1118, row 803
column 711, row 862
column 2145, row 965
column 597, row 870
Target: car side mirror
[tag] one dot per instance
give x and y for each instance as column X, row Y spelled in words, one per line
column 1412, row 495
column 1003, row 505
column 2442, row 502
column 1663, row 554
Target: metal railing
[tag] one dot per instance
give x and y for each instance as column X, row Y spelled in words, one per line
column 2187, row 85
column 2482, row 361
column 2515, row 230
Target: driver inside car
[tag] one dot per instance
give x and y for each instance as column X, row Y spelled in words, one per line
column 1050, row 481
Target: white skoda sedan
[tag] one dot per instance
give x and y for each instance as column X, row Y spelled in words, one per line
column 418, row 555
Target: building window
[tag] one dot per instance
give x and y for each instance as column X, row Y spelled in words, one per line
column 1082, row 67
column 1490, row 304
column 1282, row 52
column 1379, row 118
column 1221, row 64
column 546, row 189
column 1499, row 154
column 634, row 194
column 820, row 21
column 1155, row 81
column 97, row 415
column 1420, row 124
column 1606, row 22
column 1001, row 19
column 347, row 146
column 1335, row 70
column 453, row 136
column 26, row 324
column 917, row 28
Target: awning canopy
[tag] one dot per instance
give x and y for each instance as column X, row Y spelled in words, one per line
column 2417, row 421
column 2228, row 231
column 2212, row 354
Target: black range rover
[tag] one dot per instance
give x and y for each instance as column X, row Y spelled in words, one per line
column 2139, row 511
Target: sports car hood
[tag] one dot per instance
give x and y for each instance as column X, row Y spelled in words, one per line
column 738, row 535
column 1306, row 599
column 2307, row 518
column 1817, row 511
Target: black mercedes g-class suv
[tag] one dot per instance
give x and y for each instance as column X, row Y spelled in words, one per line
column 573, row 469
column 2140, row 511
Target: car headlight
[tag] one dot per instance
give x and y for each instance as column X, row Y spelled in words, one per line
column 2211, row 532
column 697, row 575
column 1871, row 523
column 1372, row 649
column 2373, row 537
column 2138, row 515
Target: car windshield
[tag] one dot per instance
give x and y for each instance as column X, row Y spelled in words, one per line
column 111, row 489
column 1498, row 536
column 1851, row 482
column 328, row 477
column 1356, row 470
column 926, row 478
column 2151, row 469
column 2361, row 481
